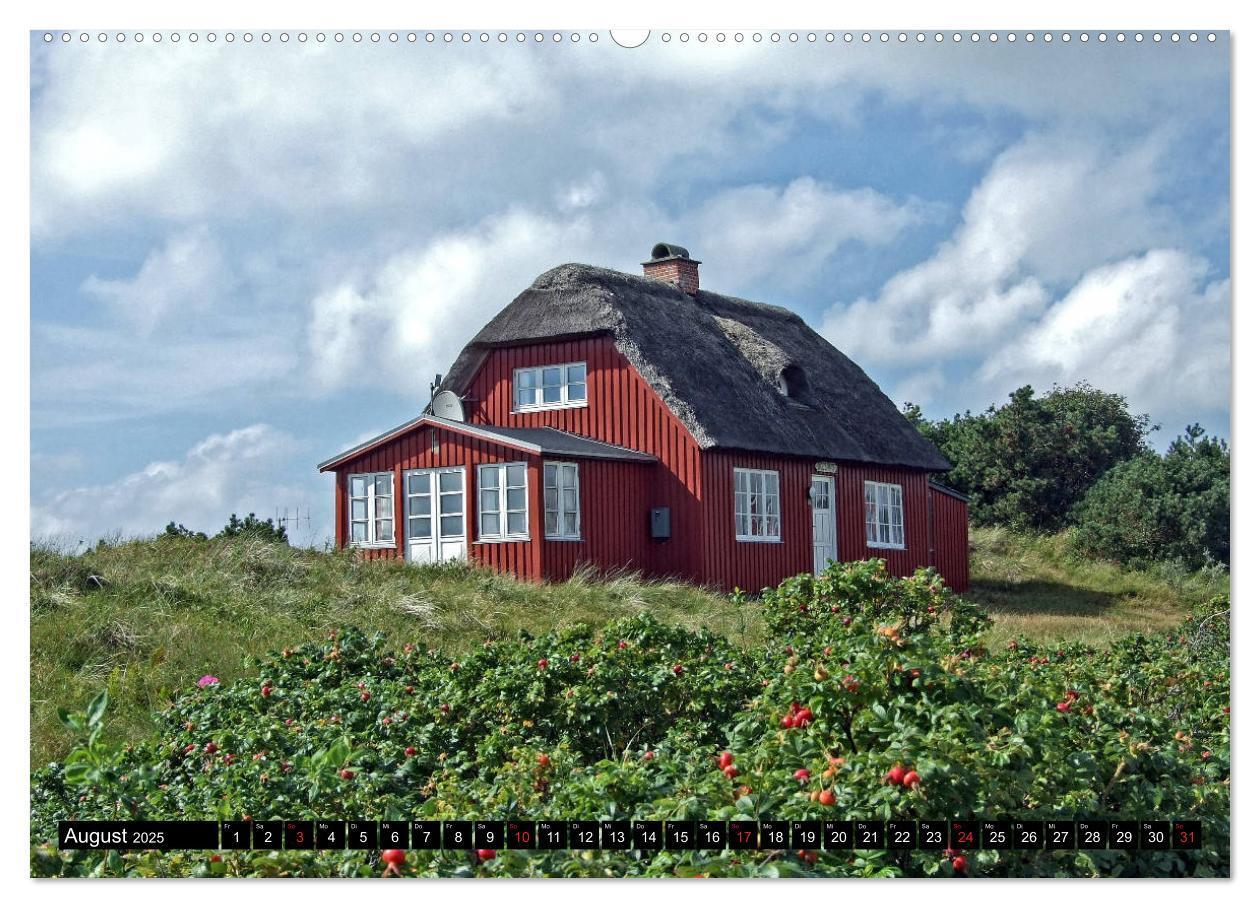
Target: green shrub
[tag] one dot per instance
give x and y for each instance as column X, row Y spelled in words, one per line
column 1026, row 463
column 179, row 531
column 1170, row 508
column 629, row 721
column 253, row 527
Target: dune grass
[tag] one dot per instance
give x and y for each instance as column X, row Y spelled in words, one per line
column 149, row 617
column 1033, row 585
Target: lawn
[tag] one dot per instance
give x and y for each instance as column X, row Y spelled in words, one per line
column 150, row 617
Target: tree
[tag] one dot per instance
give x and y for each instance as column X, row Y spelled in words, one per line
column 1026, row 463
column 1153, row 508
column 255, row 528
column 179, row 531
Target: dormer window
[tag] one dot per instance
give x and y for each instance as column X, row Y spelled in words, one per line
column 792, row 384
column 549, row 387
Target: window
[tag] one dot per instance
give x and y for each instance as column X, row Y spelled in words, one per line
column 372, row 509
column 450, row 495
column 419, row 505
column 561, row 512
column 884, row 522
column 549, row 387
column 451, row 502
column 756, row 505
column 502, row 502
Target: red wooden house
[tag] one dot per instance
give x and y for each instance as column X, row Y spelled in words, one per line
column 643, row 424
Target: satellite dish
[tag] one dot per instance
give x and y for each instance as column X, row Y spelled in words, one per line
column 447, row 405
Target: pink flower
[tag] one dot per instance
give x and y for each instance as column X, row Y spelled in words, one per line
column 207, row 680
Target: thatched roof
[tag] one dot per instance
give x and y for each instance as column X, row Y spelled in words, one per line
column 717, row 362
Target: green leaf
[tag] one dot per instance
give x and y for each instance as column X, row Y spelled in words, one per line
column 96, row 709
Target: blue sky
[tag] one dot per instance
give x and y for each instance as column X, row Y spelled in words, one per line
column 245, row 258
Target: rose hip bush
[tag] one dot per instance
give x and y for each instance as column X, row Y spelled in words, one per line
column 874, row 700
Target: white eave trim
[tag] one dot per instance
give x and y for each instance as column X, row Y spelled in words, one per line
column 438, row 423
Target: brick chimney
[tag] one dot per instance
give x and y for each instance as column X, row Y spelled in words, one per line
column 672, row 264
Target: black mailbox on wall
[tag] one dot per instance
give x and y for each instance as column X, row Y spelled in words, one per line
column 660, row 523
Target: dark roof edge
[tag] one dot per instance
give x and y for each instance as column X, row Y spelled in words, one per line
column 476, row 344
column 829, row 458
column 946, row 490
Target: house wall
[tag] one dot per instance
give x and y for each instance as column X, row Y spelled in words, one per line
column 622, row 409
column 415, row 451
column 754, row 565
column 697, row 486
column 614, row 499
column 951, row 549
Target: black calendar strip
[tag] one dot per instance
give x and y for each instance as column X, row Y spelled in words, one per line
column 638, row 835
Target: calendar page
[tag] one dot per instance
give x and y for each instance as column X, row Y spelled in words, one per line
column 614, row 453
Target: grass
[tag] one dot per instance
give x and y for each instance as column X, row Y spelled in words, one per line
column 149, row 617
column 1033, row 585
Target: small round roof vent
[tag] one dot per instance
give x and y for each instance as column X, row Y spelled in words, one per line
column 668, row 251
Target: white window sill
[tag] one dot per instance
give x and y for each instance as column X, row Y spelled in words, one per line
column 373, row 545
column 572, row 405
column 564, row 538
column 489, row 540
column 884, row 545
column 758, row 539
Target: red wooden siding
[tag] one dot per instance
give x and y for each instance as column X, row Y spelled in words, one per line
column 851, row 497
column 951, row 550
column 414, row 451
column 622, row 409
column 754, row 565
column 614, row 498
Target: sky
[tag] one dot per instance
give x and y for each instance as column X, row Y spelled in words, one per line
column 246, row 258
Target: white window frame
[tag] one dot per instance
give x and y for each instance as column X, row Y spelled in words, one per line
column 371, row 542
column 536, row 378
column 747, row 500
column 435, row 494
column 560, row 510
column 502, row 510
column 889, row 533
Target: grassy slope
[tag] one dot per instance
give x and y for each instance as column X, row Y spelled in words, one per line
column 172, row 610
column 1033, row 585
column 168, row 611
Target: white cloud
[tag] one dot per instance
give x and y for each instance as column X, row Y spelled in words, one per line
column 154, row 130
column 1148, row 327
column 583, row 193
column 789, row 232
column 157, row 131
column 186, row 275
column 227, row 473
column 1048, row 209
column 409, row 316
column 378, row 204
column 398, row 324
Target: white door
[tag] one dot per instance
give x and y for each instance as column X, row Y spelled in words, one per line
column 436, row 526
column 822, row 496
